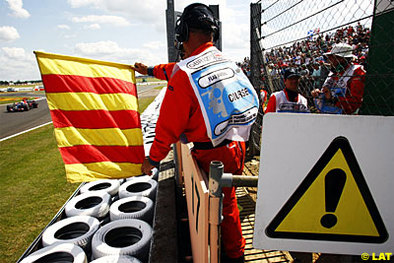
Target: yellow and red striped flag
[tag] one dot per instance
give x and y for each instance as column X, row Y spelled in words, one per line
column 94, row 108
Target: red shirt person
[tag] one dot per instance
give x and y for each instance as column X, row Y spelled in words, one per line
column 181, row 114
column 343, row 90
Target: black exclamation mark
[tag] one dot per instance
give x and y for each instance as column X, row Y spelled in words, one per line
column 334, row 184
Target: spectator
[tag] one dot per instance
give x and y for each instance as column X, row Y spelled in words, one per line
column 305, row 83
column 299, row 51
column 324, row 71
column 263, row 98
column 343, row 90
column 288, row 99
column 363, row 61
column 304, row 71
column 317, row 76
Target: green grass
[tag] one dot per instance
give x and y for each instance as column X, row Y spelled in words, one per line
column 33, row 187
column 147, row 79
column 144, row 102
column 10, row 100
column 22, row 85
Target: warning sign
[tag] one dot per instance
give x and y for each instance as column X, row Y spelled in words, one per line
column 336, row 200
column 326, row 184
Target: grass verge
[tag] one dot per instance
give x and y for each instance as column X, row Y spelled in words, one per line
column 144, row 102
column 146, row 79
column 33, row 187
column 11, row 100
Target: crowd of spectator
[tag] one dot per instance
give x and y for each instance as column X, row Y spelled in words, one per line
column 307, row 57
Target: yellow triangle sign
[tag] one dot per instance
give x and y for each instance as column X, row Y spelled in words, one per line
column 332, row 203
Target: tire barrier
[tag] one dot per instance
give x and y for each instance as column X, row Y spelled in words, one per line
column 65, row 253
column 123, row 237
column 134, row 207
column 139, row 187
column 121, row 181
column 91, row 203
column 149, row 118
column 140, row 177
column 116, row 259
column 77, row 230
column 107, row 185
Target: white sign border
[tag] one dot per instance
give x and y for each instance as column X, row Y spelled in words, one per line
column 291, row 146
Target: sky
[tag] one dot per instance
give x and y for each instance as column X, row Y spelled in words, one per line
column 123, row 31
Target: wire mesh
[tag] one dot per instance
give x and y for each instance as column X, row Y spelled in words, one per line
column 340, row 50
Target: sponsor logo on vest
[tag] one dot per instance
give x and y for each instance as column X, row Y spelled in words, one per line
column 292, row 107
column 204, row 60
column 239, row 94
column 216, row 76
column 237, row 119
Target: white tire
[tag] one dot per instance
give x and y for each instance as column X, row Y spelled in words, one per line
column 121, row 181
column 58, row 253
column 116, row 259
column 140, row 177
column 138, row 207
column 107, row 185
column 92, row 203
column 139, row 187
column 77, row 230
column 123, row 237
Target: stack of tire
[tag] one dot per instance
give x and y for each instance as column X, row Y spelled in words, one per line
column 108, row 221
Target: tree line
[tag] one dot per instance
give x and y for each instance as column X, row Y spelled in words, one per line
column 18, row 82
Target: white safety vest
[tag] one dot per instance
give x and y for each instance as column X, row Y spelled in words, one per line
column 284, row 105
column 338, row 86
column 228, row 101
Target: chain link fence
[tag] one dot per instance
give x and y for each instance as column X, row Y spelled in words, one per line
column 342, row 49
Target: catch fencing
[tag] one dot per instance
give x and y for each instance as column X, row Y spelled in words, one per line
column 299, row 33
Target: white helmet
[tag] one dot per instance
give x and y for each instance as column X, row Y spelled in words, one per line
column 341, row 50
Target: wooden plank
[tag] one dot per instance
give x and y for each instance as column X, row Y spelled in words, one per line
column 247, row 216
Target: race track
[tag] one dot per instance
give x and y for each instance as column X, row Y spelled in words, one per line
column 15, row 122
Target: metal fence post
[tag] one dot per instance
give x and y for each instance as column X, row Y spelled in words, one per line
column 217, row 180
column 255, row 52
column 215, row 209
